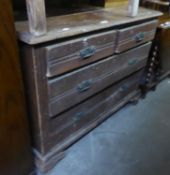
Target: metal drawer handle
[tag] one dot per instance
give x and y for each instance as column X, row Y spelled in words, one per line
column 132, row 62
column 124, row 88
column 84, row 86
column 140, row 37
column 78, row 116
column 87, row 52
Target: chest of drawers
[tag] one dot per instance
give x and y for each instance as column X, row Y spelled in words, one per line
column 74, row 83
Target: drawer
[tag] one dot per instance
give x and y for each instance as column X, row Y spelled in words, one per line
column 136, row 35
column 70, row 55
column 72, row 88
column 91, row 110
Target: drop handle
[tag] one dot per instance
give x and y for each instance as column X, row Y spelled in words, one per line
column 124, row 88
column 84, row 86
column 78, row 116
column 132, row 62
column 87, row 52
column 140, row 37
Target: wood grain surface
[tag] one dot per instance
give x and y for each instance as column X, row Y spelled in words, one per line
column 84, row 22
column 15, row 150
column 92, row 79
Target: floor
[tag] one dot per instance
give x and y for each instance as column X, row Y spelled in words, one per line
column 134, row 141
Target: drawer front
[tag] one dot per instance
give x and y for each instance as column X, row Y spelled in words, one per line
column 70, row 89
column 136, row 35
column 92, row 109
column 76, row 53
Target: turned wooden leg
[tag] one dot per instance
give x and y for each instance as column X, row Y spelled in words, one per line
column 37, row 17
column 154, row 88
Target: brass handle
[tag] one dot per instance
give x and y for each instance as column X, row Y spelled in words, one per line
column 132, row 62
column 124, row 88
column 84, row 86
column 78, row 116
column 87, row 52
column 140, row 37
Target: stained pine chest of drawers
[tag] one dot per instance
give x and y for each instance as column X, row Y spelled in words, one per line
column 75, row 82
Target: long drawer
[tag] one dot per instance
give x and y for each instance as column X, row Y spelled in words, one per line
column 135, row 35
column 102, row 104
column 72, row 54
column 70, row 89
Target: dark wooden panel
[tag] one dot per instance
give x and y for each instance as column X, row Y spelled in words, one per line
column 15, row 151
column 72, row 88
column 135, row 35
column 165, row 50
column 63, row 57
column 36, row 93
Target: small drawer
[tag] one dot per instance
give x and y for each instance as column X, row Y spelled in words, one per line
column 70, row 55
column 70, row 89
column 136, row 35
column 77, row 119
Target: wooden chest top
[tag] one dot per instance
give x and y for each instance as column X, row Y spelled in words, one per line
column 80, row 23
